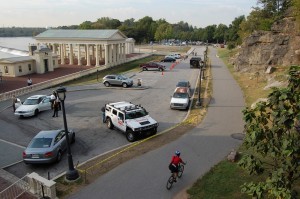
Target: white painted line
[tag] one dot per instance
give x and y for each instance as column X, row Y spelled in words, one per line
column 7, row 142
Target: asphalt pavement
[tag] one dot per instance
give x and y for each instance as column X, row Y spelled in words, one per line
column 202, row 148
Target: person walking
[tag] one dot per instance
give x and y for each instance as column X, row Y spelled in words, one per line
column 29, row 81
column 55, row 106
column 14, row 101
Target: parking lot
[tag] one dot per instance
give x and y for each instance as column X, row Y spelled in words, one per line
column 83, row 106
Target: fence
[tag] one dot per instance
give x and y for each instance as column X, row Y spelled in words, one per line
column 15, row 190
column 59, row 80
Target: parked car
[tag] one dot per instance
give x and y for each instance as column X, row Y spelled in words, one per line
column 33, row 105
column 133, row 120
column 180, row 99
column 168, row 59
column 152, row 66
column 117, row 80
column 195, row 62
column 183, row 83
column 175, row 55
column 47, row 146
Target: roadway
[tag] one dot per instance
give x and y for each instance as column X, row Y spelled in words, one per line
column 203, row 147
column 83, row 104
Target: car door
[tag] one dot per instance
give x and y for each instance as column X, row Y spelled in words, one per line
column 60, row 142
column 151, row 66
column 119, row 80
column 121, row 121
column 45, row 104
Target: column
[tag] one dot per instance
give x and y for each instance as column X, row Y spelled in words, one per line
column 62, row 55
column 71, row 54
column 110, row 54
column 88, row 60
column 54, row 49
column 78, row 56
column 106, row 54
column 101, row 55
column 97, row 55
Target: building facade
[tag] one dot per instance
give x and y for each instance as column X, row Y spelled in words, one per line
column 56, row 47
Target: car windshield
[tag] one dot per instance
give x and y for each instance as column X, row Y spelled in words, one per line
column 180, row 95
column 31, row 101
column 40, row 143
column 135, row 114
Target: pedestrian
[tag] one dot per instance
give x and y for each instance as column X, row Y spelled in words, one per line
column 14, row 101
column 55, row 106
column 103, row 114
column 52, row 98
column 29, row 81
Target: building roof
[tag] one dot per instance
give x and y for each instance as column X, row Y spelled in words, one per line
column 11, row 60
column 106, row 34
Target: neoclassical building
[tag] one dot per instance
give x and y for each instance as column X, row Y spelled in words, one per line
column 56, row 47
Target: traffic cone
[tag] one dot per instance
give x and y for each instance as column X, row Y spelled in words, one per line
column 162, row 72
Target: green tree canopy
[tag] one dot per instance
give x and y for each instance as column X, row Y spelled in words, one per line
column 273, row 133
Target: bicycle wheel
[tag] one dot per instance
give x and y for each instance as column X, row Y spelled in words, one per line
column 170, row 182
column 180, row 170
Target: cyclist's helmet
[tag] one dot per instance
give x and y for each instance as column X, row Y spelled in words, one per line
column 177, row 153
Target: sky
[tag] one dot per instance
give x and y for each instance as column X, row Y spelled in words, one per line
column 54, row 13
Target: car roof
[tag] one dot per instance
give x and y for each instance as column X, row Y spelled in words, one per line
column 36, row 96
column 47, row 134
column 181, row 90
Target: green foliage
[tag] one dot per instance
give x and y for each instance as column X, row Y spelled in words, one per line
column 20, row 32
column 271, row 133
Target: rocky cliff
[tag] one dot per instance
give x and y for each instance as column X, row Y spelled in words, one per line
column 278, row 47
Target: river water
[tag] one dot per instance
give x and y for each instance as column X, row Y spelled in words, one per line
column 19, row 43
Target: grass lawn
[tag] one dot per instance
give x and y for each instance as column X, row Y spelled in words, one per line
column 126, row 67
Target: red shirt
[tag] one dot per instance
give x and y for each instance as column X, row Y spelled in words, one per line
column 176, row 160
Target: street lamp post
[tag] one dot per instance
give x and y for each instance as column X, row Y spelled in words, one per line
column 198, row 103
column 72, row 173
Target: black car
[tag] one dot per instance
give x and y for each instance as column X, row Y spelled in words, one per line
column 168, row 59
column 195, row 62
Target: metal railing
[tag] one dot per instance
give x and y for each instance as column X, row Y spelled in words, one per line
column 16, row 189
column 59, row 80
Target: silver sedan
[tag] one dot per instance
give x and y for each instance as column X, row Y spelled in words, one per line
column 47, row 146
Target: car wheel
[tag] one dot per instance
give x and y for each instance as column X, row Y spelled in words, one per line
column 58, row 157
column 109, row 123
column 160, row 69
column 144, row 68
column 107, row 84
column 124, row 85
column 36, row 112
column 130, row 136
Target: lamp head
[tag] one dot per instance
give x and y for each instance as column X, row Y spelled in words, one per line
column 61, row 92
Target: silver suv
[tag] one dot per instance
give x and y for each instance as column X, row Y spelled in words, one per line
column 117, row 80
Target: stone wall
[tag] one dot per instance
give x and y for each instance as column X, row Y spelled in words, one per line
column 280, row 46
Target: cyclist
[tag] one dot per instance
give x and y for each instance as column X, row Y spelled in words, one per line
column 173, row 166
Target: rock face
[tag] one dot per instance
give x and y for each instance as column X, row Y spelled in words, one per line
column 280, row 46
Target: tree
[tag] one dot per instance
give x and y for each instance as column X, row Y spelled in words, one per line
column 273, row 133
column 86, row 25
column 219, row 34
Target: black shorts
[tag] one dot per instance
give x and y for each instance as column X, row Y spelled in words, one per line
column 173, row 168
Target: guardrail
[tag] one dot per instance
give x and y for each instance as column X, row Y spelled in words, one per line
column 60, row 80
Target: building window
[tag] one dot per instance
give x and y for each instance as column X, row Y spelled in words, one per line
column 5, row 69
column 20, row 69
column 53, row 62
column 29, row 67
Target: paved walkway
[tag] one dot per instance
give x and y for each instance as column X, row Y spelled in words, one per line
column 203, row 147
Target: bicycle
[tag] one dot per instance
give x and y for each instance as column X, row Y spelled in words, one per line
column 171, row 179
